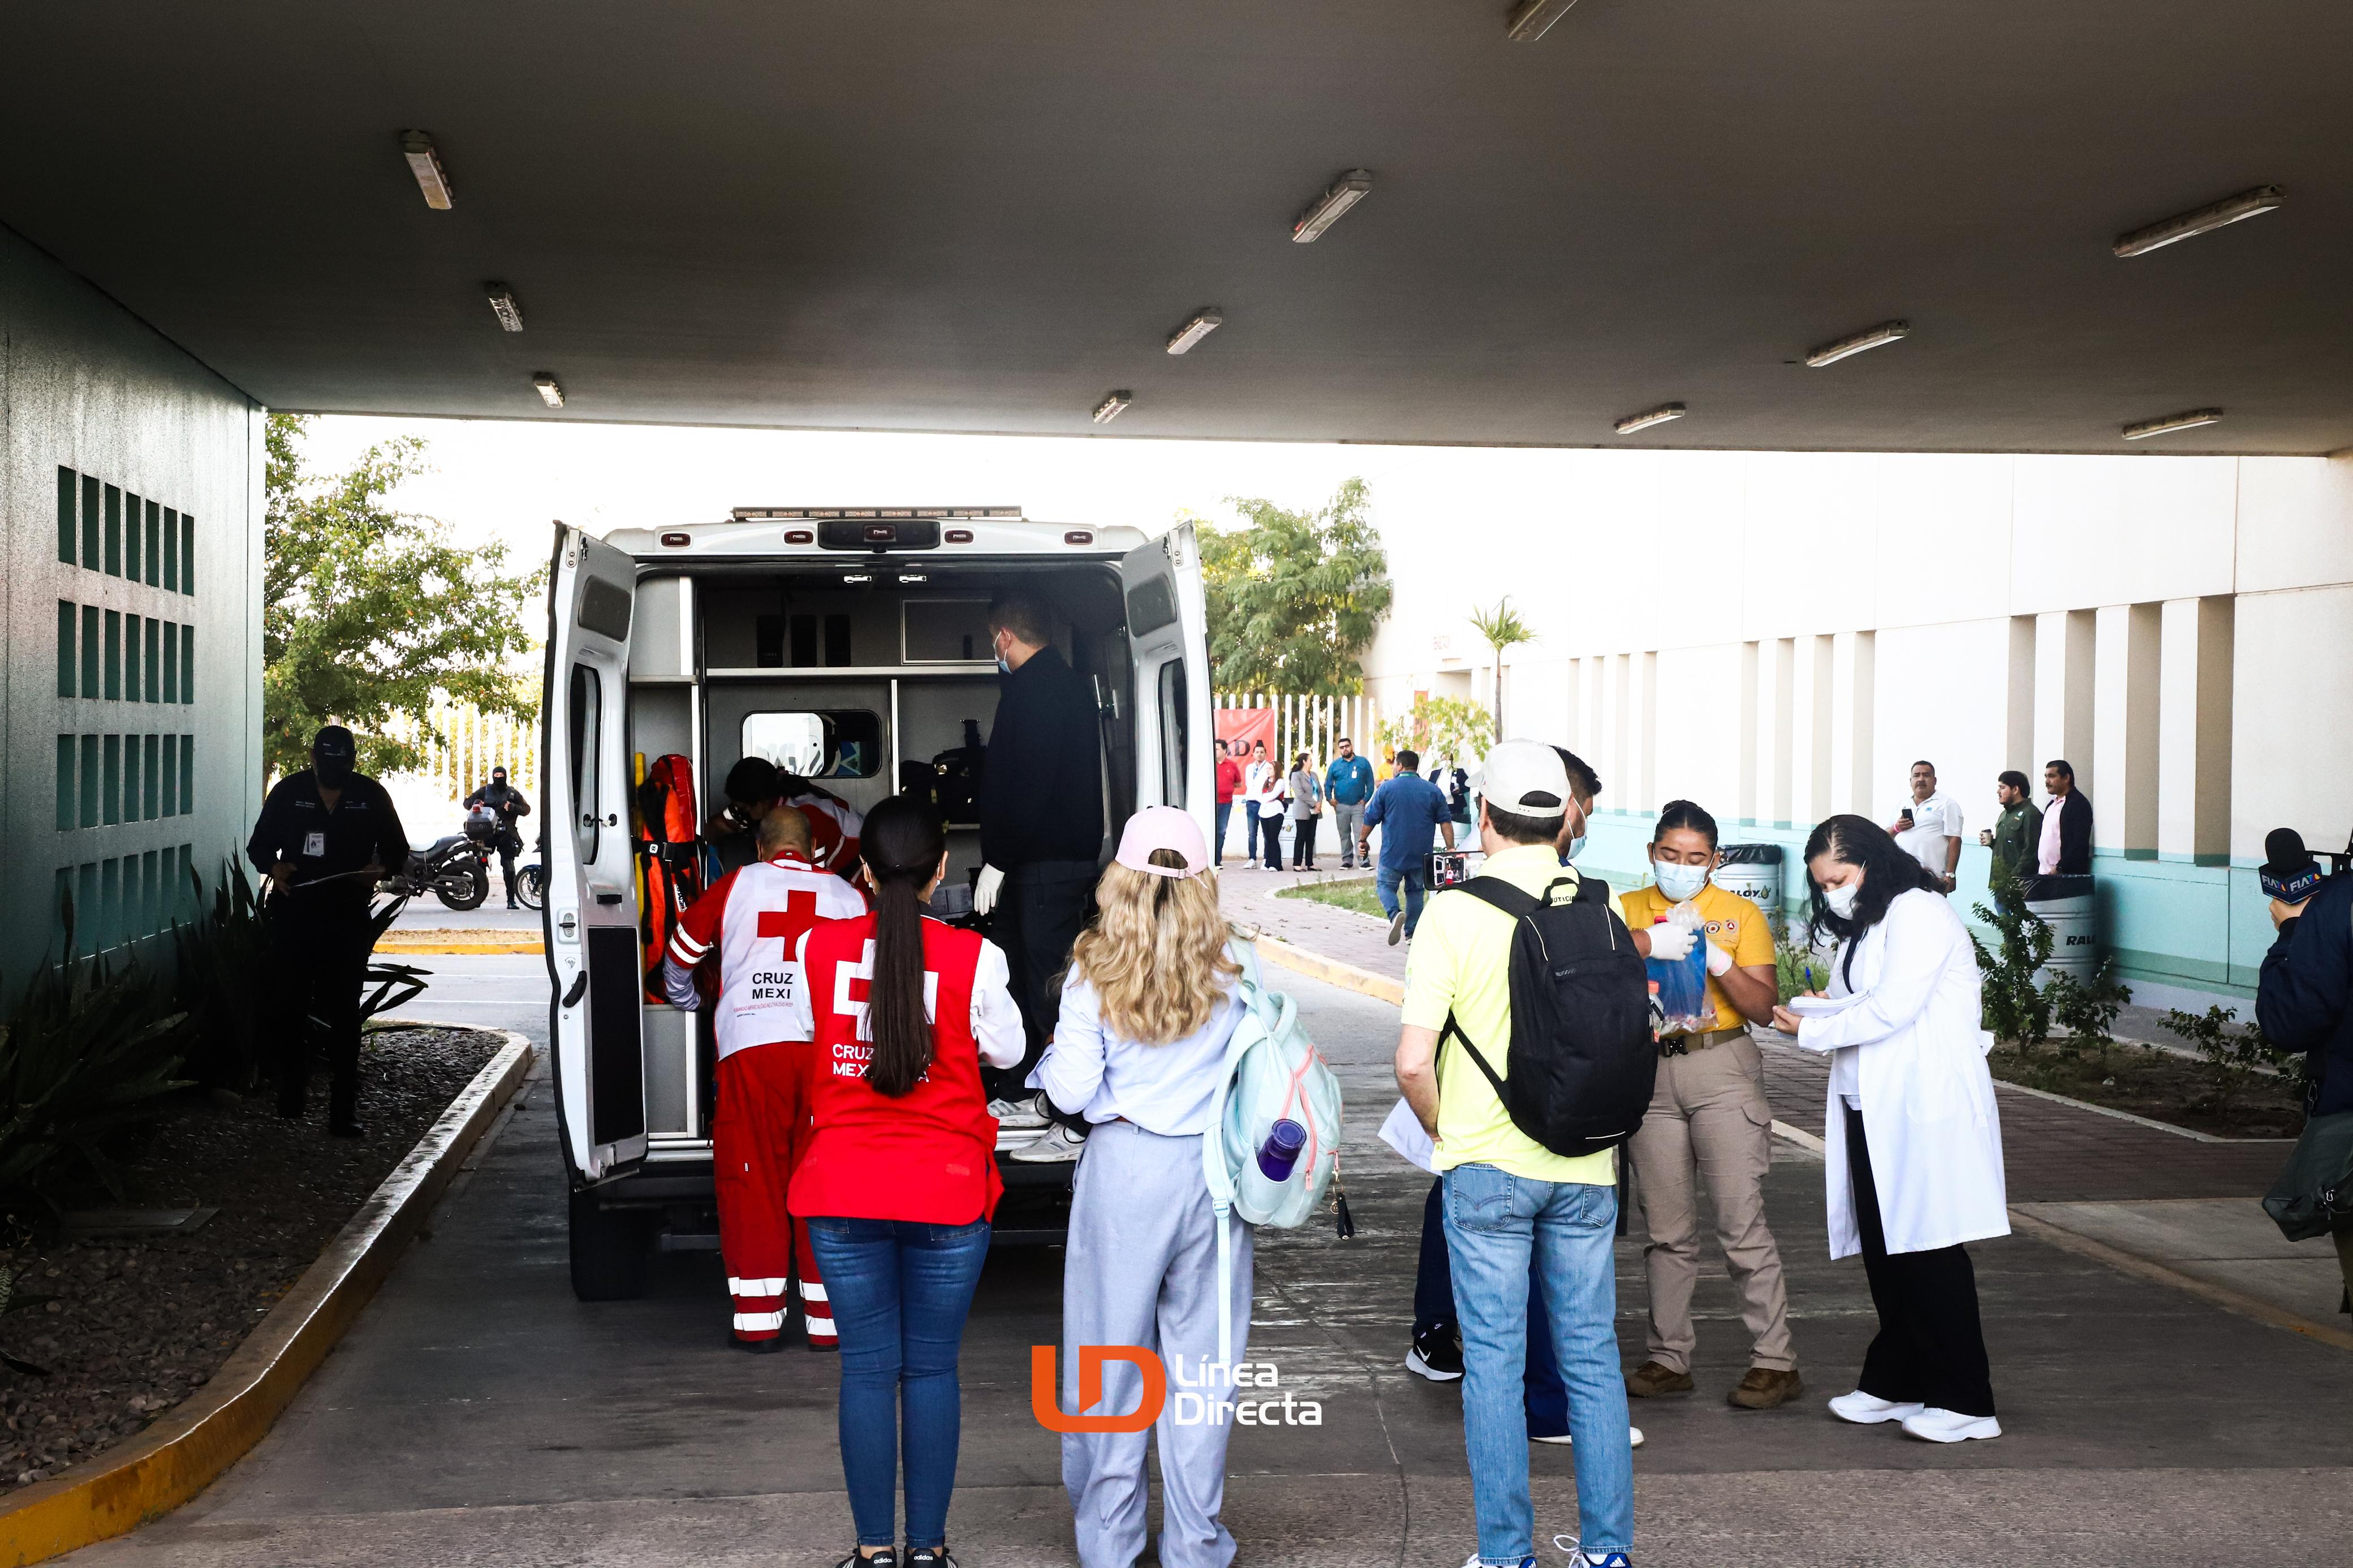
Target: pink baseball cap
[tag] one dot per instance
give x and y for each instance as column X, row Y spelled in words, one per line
column 1162, row 828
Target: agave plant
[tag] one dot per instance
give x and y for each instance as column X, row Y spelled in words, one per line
column 88, row 1049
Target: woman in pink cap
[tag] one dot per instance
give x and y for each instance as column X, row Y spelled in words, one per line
column 1147, row 1007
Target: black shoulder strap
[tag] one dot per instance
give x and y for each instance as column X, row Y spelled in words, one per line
column 1501, row 894
column 1453, row 1031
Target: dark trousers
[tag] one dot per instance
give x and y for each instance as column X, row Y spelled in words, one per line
column 1040, row 913
column 1269, row 822
column 509, row 847
column 1225, row 815
column 1546, row 1396
column 318, row 961
column 1302, row 842
column 1930, row 1348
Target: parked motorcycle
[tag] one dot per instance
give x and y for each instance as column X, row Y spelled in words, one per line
column 455, row 870
column 530, row 880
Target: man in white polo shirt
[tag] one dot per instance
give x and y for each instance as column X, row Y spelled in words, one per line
column 1930, row 829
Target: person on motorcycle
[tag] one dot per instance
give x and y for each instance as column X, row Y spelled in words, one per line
column 509, row 803
column 325, row 835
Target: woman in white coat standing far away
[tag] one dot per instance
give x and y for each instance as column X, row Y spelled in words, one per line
column 1913, row 1139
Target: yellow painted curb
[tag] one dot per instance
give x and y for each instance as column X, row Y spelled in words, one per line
column 1331, row 971
column 181, row 1454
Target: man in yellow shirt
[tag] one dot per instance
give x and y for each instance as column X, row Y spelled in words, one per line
column 1708, row 1116
column 1507, row 1198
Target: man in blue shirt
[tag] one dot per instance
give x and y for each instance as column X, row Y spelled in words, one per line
column 1347, row 784
column 1410, row 812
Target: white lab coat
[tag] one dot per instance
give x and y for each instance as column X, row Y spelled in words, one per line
column 1927, row 1098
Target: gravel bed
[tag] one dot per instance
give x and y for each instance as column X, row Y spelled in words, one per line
column 138, row 1324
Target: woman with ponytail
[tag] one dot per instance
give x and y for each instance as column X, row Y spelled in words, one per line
column 900, row 1179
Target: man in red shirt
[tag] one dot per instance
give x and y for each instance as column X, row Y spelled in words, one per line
column 1230, row 784
column 753, row 919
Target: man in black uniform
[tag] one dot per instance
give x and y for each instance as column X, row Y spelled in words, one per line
column 508, row 802
column 1041, row 829
column 325, row 836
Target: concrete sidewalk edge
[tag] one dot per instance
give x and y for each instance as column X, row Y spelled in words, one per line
column 1331, row 971
column 178, row 1456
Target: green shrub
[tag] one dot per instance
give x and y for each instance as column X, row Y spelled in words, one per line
column 2088, row 1009
column 2015, row 1009
column 1792, row 963
column 2233, row 1056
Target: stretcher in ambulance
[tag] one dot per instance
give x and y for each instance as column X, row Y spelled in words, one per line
column 850, row 648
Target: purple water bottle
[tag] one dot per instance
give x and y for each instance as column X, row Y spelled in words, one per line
column 1281, row 1151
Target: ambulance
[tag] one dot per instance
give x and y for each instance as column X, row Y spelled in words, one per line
column 849, row 645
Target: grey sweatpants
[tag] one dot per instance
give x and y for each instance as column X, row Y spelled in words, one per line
column 1141, row 1269
column 1348, row 818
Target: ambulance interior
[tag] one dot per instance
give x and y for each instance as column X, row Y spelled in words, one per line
column 855, row 678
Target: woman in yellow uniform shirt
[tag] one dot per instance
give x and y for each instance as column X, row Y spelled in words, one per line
column 1708, row 1115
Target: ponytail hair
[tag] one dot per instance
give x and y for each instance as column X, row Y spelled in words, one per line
column 902, row 845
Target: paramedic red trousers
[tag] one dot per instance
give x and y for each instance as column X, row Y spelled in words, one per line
column 758, row 1135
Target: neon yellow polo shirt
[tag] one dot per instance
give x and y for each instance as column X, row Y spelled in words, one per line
column 1734, row 923
column 1462, row 960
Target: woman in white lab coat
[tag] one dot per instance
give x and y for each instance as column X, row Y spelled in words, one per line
column 1901, row 1023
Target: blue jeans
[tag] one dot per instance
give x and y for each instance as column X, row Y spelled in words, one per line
column 1250, row 844
column 1496, row 1223
column 1385, row 883
column 899, row 1291
column 1217, row 845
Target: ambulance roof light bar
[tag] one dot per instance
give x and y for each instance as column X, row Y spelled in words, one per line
column 824, row 514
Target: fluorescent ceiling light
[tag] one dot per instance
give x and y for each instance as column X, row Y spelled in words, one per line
column 2229, row 210
column 1109, row 408
column 425, row 164
column 1531, row 19
column 549, row 393
column 1885, row 333
column 1204, row 321
column 503, row 306
column 1658, row 415
column 2172, row 421
column 1325, row 211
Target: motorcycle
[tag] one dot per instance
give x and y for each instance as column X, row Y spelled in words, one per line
column 455, row 869
column 531, row 880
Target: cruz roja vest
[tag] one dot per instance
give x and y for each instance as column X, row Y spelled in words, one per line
column 756, row 917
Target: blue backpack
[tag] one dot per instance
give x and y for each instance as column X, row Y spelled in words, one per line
column 1273, row 1145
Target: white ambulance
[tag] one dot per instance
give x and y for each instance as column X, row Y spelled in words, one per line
column 846, row 645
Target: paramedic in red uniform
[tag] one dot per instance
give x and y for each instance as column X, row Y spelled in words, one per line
column 756, row 786
column 900, row 1181
column 753, row 920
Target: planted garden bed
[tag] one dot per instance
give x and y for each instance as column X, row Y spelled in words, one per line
column 132, row 1323
column 2159, row 1084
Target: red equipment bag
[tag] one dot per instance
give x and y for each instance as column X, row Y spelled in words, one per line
column 671, row 867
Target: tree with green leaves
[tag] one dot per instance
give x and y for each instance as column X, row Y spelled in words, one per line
column 370, row 614
column 1502, row 627
column 1293, row 596
column 1437, row 727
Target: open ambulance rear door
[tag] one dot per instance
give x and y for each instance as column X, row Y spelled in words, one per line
column 591, row 918
column 1168, row 639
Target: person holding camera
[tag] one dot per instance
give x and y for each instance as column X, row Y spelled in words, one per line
column 2303, row 1000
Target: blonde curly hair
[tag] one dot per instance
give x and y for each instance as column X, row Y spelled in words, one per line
column 1156, row 953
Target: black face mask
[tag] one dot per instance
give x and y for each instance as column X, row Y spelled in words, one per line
column 500, row 780
column 332, row 772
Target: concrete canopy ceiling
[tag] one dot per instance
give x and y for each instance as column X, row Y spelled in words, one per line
column 949, row 215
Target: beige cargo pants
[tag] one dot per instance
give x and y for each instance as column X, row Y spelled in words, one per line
column 1708, row 1117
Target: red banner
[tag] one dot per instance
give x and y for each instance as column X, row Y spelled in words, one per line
column 1241, row 727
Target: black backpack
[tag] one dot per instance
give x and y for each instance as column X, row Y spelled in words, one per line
column 1582, row 1056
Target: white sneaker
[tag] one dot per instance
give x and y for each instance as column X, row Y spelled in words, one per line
column 1950, row 1426
column 1059, row 1145
column 1397, row 928
column 1633, row 1438
column 1017, row 1113
column 1580, row 1558
column 1869, row 1410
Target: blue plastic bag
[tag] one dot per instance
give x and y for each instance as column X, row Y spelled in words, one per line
column 1683, row 990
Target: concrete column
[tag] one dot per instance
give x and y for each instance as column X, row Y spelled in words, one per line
column 2018, row 702
column 1853, row 707
column 1614, row 731
column 2123, row 728
column 2193, row 731
column 1746, row 805
column 1646, row 730
column 1809, row 794
column 1776, row 728
column 2064, row 649
column 1574, row 702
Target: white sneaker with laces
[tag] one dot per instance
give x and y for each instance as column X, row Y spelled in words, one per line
column 1580, row 1558
column 1397, row 928
column 1059, row 1145
column 1869, row 1410
column 1017, row 1113
column 1950, row 1426
column 1633, row 1438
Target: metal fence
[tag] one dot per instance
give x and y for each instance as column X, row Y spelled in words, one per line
column 1313, row 725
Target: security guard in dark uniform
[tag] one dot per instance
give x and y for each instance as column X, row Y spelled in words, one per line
column 325, row 836
column 509, row 803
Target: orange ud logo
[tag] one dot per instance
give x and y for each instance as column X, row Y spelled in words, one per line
column 1045, row 1400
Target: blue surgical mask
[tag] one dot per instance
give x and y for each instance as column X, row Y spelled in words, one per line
column 1677, row 881
column 1003, row 668
column 1575, row 847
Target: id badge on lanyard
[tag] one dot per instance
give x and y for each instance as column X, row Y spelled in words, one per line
column 314, row 846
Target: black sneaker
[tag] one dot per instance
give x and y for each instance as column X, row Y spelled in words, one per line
column 1437, row 1354
column 886, row 1558
column 930, row 1557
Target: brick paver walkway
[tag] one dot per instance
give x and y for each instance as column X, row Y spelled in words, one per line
column 2055, row 1152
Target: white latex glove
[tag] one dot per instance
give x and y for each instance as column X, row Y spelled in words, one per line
column 1719, row 962
column 1670, row 943
column 984, row 893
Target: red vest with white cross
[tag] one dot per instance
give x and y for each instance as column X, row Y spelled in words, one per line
column 755, row 916
column 929, row 1155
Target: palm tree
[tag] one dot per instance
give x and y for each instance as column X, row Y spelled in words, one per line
column 1502, row 627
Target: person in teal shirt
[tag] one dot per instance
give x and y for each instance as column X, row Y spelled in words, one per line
column 1348, row 785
